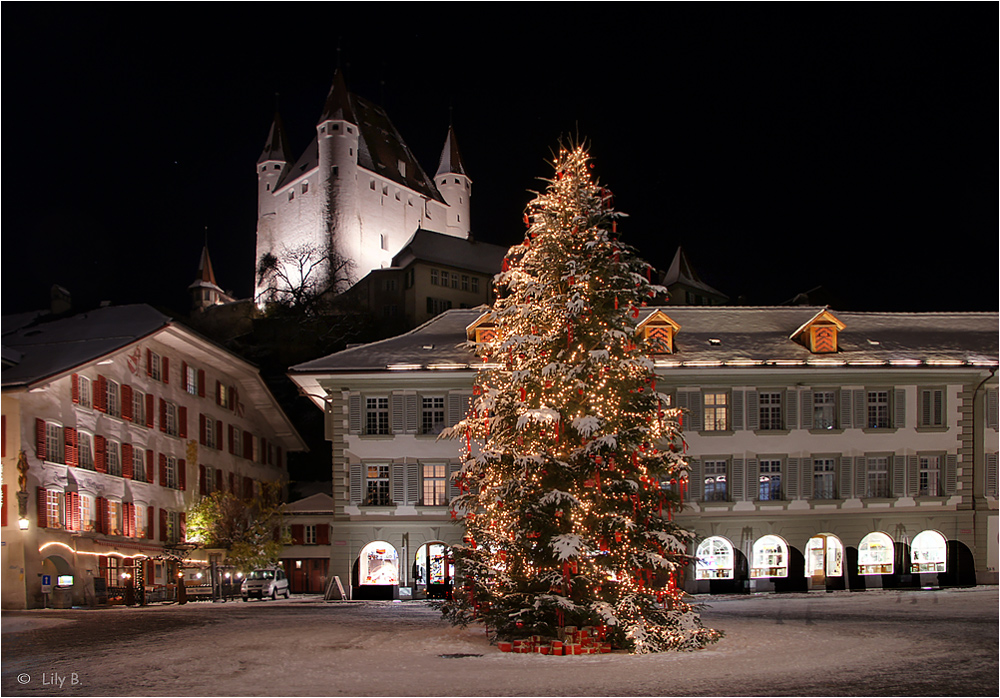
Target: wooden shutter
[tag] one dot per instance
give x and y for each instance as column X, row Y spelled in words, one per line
column 860, row 408
column 75, row 388
column 218, row 434
column 696, row 479
column 71, row 453
column 298, row 534
column 992, row 462
column 356, row 484
column 182, row 526
column 202, row 429
column 845, row 479
column 182, row 421
column 912, row 475
column 232, row 483
column 694, row 406
column 322, row 534
column 453, row 491
column 163, row 470
column 201, row 382
column 149, row 410
column 101, row 515
column 149, row 467
column 806, row 490
column 262, row 456
column 163, row 415
column 40, row 448
column 793, row 477
column 846, row 400
column 806, row 416
column 218, row 393
column 752, row 475
column 736, row 415
column 165, row 369
column 398, row 482
column 150, row 513
column 42, row 502
column 860, row 477
column 128, row 414
column 737, row 484
column 791, row 415
column 127, row 519
column 100, row 396
column 163, row 525
column 3, row 504
column 412, row 483
column 397, row 413
column 127, row 468
column 100, row 454
column 354, row 420
column 413, row 413
column 991, row 408
column 950, row 474
column 898, row 476
column 458, row 405
column 248, row 445
column 899, row 405
column 753, row 410
column 181, row 474
column 218, row 480
column 247, row 487
column 232, row 440
column 73, row 511
column 149, row 362
column 202, row 481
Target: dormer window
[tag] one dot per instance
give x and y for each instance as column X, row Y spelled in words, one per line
column 483, row 330
column 658, row 332
column 820, row 334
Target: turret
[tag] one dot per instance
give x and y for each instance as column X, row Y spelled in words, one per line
column 271, row 165
column 204, row 290
column 455, row 186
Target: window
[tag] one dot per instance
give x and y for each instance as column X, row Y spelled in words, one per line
column 715, row 559
column 170, row 473
column 191, row 380
column 236, row 440
column 932, row 407
column 770, row 558
column 153, row 366
column 85, row 450
column 207, row 484
column 474, row 281
column 377, row 486
column 824, row 478
column 465, row 282
column 715, row 481
column 84, row 397
column 171, row 422
column 930, row 476
column 210, row 432
column 716, row 414
column 770, row 411
column 87, row 512
column 435, row 484
column 383, row 242
column 770, row 480
column 113, row 460
column 114, row 403
column 54, row 443
column 291, row 194
column 436, row 306
column 824, row 556
column 139, row 530
column 310, row 534
column 824, row 409
column 173, row 527
column 138, row 407
column 432, row 415
column 377, row 415
column 114, row 518
column 875, row 553
column 878, row 409
column 138, row 464
column 878, row 476
column 305, row 187
column 928, row 552
column 53, row 508
column 434, row 277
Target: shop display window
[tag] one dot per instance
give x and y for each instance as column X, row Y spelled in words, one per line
column 875, row 554
column 928, row 552
column 770, row 558
column 378, row 564
column 434, row 565
column 715, row 559
column 824, row 556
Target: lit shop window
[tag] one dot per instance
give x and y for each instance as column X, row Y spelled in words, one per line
column 875, row 554
column 715, row 559
column 434, row 565
column 770, row 558
column 824, row 556
column 928, row 552
column 378, row 564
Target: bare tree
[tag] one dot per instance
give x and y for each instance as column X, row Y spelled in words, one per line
column 303, row 278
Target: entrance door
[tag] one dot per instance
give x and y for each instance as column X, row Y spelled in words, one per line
column 824, row 558
column 435, row 569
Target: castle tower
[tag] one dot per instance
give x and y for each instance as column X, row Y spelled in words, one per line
column 205, row 292
column 455, row 186
column 271, row 166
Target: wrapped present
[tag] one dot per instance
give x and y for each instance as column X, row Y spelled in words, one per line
column 558, row 651
column 505, row 646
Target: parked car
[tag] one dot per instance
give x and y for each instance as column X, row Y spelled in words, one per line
column 265, row 583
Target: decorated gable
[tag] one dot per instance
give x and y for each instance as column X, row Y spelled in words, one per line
column 819, row 334
column 482, row 330
column 658, row 331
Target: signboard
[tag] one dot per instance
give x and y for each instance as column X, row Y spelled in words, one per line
column 46, row 583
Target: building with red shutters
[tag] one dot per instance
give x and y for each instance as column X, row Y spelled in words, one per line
column 115, row 421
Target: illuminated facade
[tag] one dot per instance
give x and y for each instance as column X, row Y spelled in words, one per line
column 115, row 422
column 356, row 187
column 827, row 449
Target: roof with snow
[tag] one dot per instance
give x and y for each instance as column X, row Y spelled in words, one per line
column 738, row 336
column 319, row 503
column 448, row 250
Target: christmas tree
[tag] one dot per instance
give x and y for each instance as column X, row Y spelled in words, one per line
column 568, row 500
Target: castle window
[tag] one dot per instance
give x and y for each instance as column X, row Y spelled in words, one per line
column 385, row 190
column 402, row 167
column 350, row 130
column 291, row 194
column 335, row 170
column 334, row 127
column 371, row 184
column 305, row 187
column 383, row 242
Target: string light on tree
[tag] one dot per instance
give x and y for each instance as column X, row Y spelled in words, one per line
column 568, row 502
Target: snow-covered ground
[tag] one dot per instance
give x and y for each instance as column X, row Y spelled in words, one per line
column 871, row 643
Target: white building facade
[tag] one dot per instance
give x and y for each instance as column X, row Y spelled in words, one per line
column 115, row 422
column 827, row 450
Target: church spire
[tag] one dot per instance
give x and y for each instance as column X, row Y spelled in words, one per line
column 204, row 290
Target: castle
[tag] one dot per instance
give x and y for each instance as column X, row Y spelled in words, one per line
column 356, row 192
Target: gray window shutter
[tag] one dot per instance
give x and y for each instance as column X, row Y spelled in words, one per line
column 453, row 468
column 398, row 483
column 791, row 409
column 695, row 479
column 458, row 407
column 991, row 474
column 950, row 474
column 737, row 492
column 694, row 407
column 860, row 477
column 792, row 478
column 899, row 403
column 398, row 416
column 898, row 476
column 413, row 494
column 412, row 413
column 752, row 473
column 737, row 421
column 846, row 399
column 860, row 409
column 806, row 420
column 357, row 483
column 991, row 408
column 753, row 410
column 912, row 475
column 846, row 480
column 807, row 479
column 354, row 413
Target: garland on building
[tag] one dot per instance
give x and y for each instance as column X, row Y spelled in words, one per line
column 568, row 502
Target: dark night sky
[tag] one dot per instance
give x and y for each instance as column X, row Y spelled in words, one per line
column 785, row 146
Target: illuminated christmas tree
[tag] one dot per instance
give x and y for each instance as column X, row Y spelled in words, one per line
column 568, row 500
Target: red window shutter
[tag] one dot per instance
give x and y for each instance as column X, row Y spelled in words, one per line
column 201, row 480
column 126, row 525
column 100, row 454
column 247, row 488
column 182, row 418
column 248, row 445
column 201, row 382
column 298, row 534
column 218, row 393
column 43, row 509
column 3, row 505
column 163, row 470
column 163, row 525
column 127, row 470
column 233, row 398
column 232, row 484
column 322, row 534
column 182, row 520
column 149, row 410
column 232, row 439
column 181, row 474
column 150, row 512
column 69, row 446
column 75, row 389
column 127, row 413
column 163, row 415
column 218, row 434
column 40, row 439
column 149, row 362
column 100, row 396
column 202, row 429
column 218, row 480
column 101, row 515
column 184, row 374
column 149, row 466
column 77, row 524
column 165, row 370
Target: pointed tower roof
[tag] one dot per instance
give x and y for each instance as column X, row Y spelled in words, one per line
column 205, row 272
column 338, row 101
column 681, row 272
column 451, row 159
column 276, row 147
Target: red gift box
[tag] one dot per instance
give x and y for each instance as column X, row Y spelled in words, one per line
column 505, row 646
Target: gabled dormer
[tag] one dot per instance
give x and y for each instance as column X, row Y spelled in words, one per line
column 819, row 335
column 658, row 331
column 483, row 330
